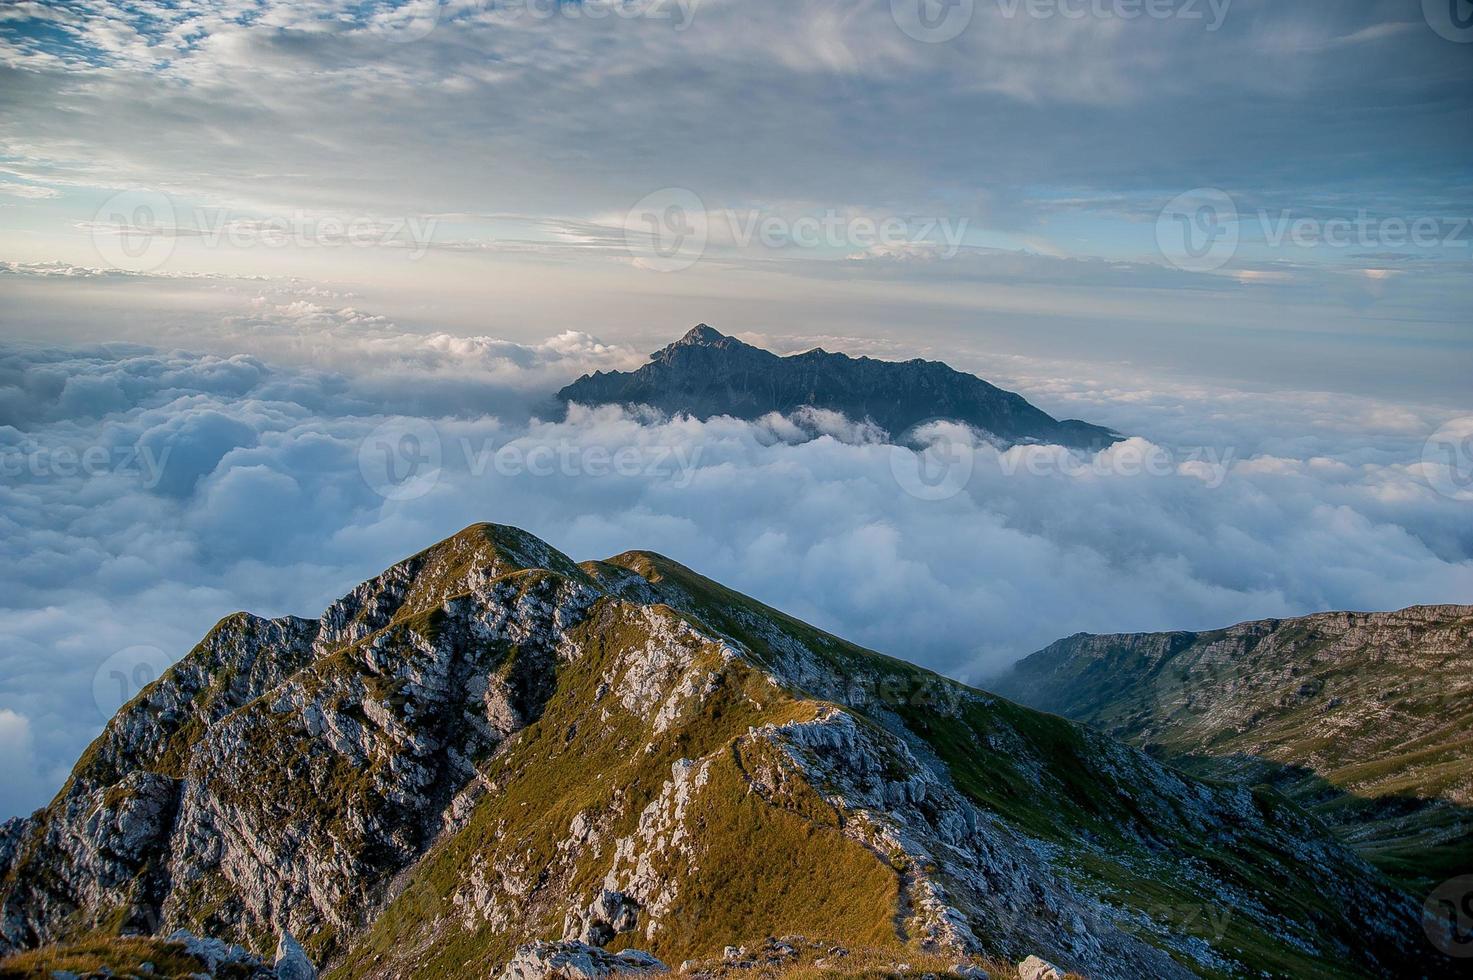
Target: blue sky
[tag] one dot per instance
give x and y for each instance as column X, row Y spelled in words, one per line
column 245, row 237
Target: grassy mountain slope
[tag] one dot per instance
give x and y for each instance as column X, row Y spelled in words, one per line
column 1366, row 718
column 489, row 744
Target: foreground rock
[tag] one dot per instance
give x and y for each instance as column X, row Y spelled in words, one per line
column 291, row 960
column 578, row 961
column 489, row 744
column 216, row 954
column 1034, row 968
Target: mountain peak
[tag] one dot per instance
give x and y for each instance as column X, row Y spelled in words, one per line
column 707, row 373
column 486, row 745
column 701, row 335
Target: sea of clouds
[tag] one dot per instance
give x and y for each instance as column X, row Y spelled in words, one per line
column 147, row 492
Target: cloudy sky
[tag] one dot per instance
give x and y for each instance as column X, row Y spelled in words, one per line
column 246, row 245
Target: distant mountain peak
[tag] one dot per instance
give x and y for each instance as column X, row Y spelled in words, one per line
column 707, row 374
column 702, row 334
column 701, row 337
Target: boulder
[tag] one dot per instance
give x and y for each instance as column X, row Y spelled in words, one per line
column 644, row 961
column 1034, row 968
column 291, row 960
column 578, row 961
column 214, row 953
column 609, row 914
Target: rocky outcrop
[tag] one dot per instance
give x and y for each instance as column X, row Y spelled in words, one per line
column 1034, row 968
column 706, row 373
column 291, row 960
column 578, row 961
column 341, row 761
column 13, row 833
column 215, row 953
column 609, row 915
column 488, row 745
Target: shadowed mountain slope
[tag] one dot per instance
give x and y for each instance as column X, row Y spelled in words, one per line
column 706, row 374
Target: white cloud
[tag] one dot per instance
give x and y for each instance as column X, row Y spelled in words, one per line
column 1292, row 503
column 28, row 191
column 23, row 785
column 492, row 112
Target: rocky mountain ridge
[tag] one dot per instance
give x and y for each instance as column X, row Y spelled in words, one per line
column 1366, row 718
column 706, row 373
column 489, row 745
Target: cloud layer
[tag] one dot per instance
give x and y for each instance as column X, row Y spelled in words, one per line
column 148, row 492
column 707, row 88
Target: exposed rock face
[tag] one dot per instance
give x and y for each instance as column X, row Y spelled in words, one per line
column 610, row 914
column 1329, row 708
column 215, row 953
column 103, row 846
column 186, row 803
column 706, row 373
column 12, row 833
column 578, row 961
column 291, row 960
column 488, row 745
column 1034, row 968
